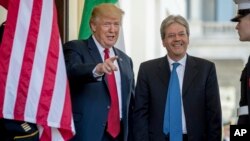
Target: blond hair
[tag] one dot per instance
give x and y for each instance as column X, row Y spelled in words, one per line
column 106, row 10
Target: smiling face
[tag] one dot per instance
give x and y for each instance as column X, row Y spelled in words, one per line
column 106, row 30
column 243, row 27
column 176, row 41
column 105, row 24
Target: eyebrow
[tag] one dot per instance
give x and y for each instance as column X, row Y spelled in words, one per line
column 177, row 33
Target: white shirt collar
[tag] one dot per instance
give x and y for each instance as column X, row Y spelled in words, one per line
column 99, row 46
column 182, row 61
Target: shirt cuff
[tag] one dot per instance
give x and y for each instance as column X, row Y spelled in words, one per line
column 96, row 75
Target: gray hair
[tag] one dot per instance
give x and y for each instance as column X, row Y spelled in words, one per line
column 173, row 19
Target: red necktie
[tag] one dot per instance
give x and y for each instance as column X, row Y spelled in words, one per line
column 113, row 127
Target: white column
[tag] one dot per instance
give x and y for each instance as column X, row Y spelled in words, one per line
column 195, row 18
column 125, row 5
column 196, row 7
column 138, row 32
column 75, row 16
column 150, row 29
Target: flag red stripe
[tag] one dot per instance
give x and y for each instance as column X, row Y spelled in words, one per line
column 49, row 76
column 66, row 116
column 6, row 48
column 4, row 3
column 66, row 134
column 47, row 134
column 28, row 60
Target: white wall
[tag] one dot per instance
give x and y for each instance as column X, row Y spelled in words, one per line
column 142, row 27
column 75, row 15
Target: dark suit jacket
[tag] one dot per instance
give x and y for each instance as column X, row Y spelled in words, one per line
column 90, row 97
column 245, row 93
column 200, row 95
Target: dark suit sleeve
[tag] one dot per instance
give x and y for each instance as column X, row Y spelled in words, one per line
column 130, row 118
column 131, row 106
column 141, row 114
column 213, row 107
column 243, row 80
column 77, row 67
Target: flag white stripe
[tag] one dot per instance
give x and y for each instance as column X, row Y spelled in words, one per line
column 22, row 26
column 56, row 135
column 58, row 98
column 73, row 125
column 40, row 59
column 40, row 129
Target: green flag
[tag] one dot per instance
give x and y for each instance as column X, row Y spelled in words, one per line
column 85, row 31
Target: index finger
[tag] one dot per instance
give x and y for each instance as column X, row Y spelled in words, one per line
column 113, row 58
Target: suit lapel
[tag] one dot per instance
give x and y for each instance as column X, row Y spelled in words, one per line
column 124, row 80
column 93, row 51
column 164, row 71
column 190, row 73
column 95, row 54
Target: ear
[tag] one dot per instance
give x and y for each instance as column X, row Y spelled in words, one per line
column 163, row 44
column 93, row 26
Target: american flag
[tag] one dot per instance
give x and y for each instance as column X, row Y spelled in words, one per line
column 33, row 81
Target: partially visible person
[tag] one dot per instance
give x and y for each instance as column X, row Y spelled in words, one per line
column 101, row 79
column 11, row 130
column 243, row 27
column 200, row 117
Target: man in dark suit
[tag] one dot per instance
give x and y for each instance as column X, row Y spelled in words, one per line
column 89, row 70
column 243, row 27
column 200, row 112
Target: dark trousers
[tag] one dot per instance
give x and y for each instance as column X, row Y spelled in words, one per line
column 108, row 137
column 184, row 137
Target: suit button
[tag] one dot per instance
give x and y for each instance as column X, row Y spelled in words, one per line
column 108, row 107
column 104, row 124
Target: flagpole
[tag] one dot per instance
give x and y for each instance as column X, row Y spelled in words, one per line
column 62, row 8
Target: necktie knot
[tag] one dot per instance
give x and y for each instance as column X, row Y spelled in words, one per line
column 106, row 51
column 175, row 65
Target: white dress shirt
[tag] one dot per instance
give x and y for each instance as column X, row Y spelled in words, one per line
column 180, row 72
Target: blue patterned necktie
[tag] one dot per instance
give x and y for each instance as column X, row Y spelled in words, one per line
column 172, row 125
